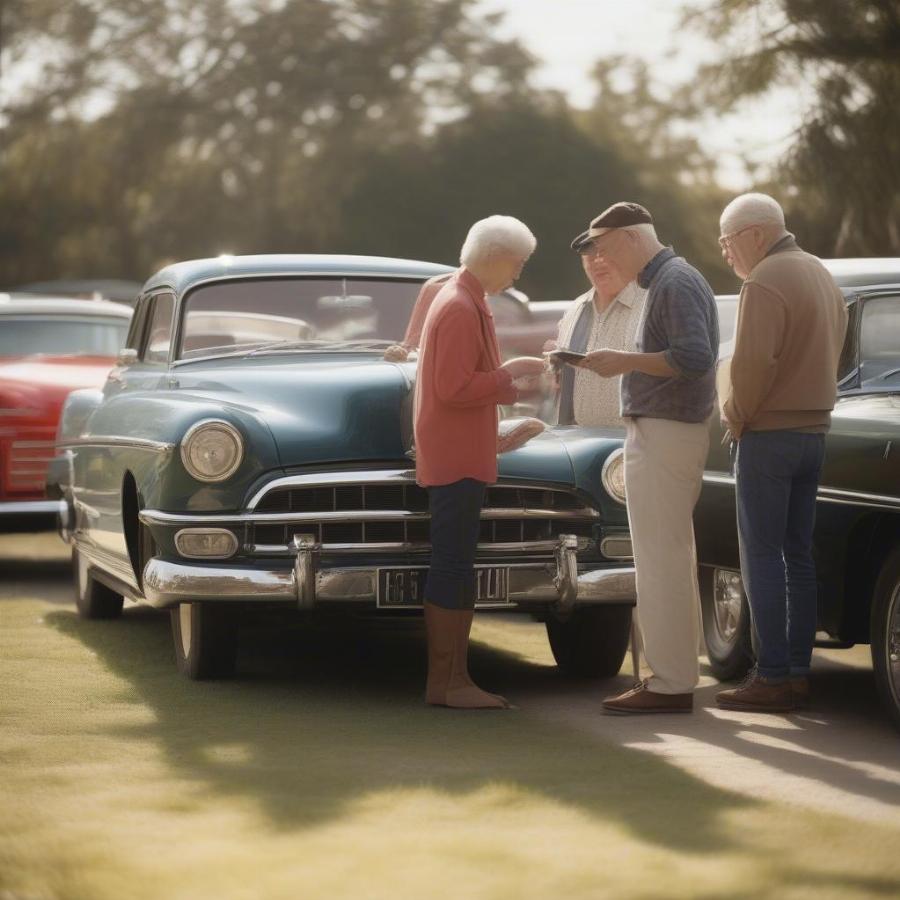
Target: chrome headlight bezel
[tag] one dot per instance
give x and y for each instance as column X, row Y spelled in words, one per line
column 614, row 463
column 191, row 435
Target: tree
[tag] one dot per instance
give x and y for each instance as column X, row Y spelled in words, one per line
column 153, row 130
column 840, row 181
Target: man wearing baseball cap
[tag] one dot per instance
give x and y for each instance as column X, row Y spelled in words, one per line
column 604, row 316
column 667, row 396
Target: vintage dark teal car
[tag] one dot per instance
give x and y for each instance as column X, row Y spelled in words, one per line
column 251, row 450
column 857, row 535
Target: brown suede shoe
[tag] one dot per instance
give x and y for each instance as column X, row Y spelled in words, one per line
column 758, row 694
column 640, row 699
column 800, row 690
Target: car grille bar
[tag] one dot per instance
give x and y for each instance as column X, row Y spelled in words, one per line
column 371, row 514
column 26, row 465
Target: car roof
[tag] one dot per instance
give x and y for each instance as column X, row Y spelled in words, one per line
column 864, row 271
column 184, row 275
column 119, row 290
column 33, row 305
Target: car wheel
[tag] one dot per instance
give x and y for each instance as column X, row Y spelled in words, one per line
column 592, row 642
column 205, row 638
column 726, row 622
column 885, row 635
column 93, row 599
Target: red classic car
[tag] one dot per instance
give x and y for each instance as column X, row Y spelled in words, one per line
column 48, row 348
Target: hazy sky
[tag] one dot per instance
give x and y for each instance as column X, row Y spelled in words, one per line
column 569, row 36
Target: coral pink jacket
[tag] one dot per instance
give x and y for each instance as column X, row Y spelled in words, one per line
column 458, row 387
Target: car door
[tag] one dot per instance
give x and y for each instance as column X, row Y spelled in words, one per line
column 111, row 449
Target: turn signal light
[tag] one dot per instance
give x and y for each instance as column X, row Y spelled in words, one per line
column 209, row 543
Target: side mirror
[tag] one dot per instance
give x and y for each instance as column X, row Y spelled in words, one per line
column 126, row 357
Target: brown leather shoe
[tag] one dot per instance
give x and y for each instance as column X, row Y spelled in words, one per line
column 800, row 690
column 759, row 694
column 640, row 699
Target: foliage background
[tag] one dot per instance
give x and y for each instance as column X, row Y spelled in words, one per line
column 144, row 132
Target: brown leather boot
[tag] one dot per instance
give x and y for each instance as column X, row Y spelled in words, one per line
column 462, row 655
column 448, row 684
column 758, row 694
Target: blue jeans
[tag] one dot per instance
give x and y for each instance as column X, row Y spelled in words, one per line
column 777, row 474
column 455, row 523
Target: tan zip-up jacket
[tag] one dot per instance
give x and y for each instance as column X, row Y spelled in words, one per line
column 791, row 323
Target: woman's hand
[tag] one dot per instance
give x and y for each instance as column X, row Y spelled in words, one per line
column 523, row 366
column 396, row 353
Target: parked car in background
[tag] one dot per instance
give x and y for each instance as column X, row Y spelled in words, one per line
column 222, row 470
column 119, row 290
column 48, row 347
column 857, row 533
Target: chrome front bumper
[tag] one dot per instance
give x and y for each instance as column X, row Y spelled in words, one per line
column 30, row 508
column 306, row 585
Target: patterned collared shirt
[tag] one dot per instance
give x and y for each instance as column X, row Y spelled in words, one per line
column 596, row 399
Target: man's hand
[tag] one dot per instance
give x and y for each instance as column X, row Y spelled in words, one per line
column 607, row 363
column 523, row 366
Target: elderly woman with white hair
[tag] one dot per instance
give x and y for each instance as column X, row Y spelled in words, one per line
column 460, row 382
column 777, row 401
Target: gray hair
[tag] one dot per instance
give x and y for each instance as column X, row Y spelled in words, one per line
column 496, row 235
column 752, row 209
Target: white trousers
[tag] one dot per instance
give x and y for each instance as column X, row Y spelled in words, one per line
column 664, row 462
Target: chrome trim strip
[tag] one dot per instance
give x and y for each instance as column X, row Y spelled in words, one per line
column 331, row 479
column 107, row 562
column 547, row 546
column 858, row 498
column 718, row 478
column 109, row 440
column 825, row 494
column 166, row 584
column 31, row 507
column 377, row 476
column 157, row 517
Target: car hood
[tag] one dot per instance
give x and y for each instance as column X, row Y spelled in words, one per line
column 343, row 408
column 319, row 409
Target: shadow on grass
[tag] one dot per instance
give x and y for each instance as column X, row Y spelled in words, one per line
column 330, row 710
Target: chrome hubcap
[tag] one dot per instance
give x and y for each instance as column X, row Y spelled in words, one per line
column 893, row 642
column 728, row 600
column 184, row 622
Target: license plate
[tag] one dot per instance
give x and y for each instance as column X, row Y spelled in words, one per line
column 406, row 586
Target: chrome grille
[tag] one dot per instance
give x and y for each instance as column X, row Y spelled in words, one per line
column 394, row 515
column 26, row 465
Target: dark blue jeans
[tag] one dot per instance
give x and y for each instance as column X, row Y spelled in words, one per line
column 777, row 474
column 455, row 523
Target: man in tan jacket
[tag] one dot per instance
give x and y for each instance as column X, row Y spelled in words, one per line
column 777, row 404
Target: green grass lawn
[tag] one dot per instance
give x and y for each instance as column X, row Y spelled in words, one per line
column 320, row 773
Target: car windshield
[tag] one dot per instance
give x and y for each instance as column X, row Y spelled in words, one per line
column 879, row 340
column 308, row 313
column 61, row 335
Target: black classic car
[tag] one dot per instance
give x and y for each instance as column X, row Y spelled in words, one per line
column 857, row 534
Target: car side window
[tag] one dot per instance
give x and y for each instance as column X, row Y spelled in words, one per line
column 158, row 334
column 507, row 310
column 880, row 336
column 136, row 328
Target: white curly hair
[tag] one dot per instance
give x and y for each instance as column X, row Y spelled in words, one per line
column 495, row 235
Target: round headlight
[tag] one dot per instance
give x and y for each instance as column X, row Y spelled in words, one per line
column 212, row 450
column 613, row 475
